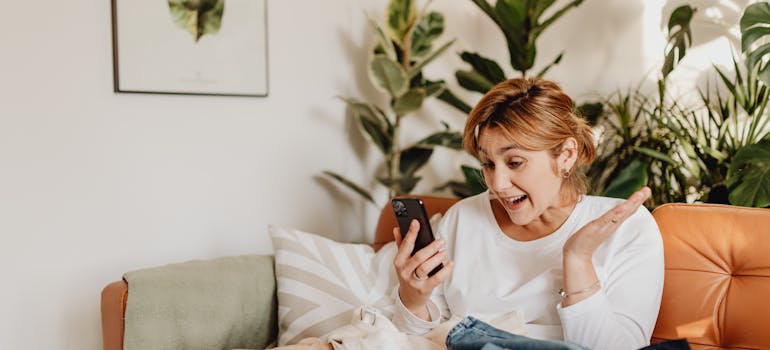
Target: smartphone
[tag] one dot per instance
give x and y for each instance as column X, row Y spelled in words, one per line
column 408, row 209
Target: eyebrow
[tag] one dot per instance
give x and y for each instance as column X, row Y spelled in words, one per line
column 501, row 150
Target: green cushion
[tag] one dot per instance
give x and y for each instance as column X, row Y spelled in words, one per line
column 224, row 303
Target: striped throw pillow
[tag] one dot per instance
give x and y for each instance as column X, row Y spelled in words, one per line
column 320, row 282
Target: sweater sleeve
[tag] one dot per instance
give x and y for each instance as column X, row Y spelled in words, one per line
column 408, row 323
column 622, row 314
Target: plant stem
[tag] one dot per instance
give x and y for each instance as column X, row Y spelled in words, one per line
column 394, row 161
column 395, row 156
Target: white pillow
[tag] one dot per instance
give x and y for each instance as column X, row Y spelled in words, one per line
column 321, row 281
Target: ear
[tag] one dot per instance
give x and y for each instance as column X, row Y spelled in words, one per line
column 569, row 154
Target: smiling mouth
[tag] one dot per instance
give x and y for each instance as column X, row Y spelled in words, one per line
column 512, row 201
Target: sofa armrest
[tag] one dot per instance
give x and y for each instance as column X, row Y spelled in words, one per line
column 228, row 302
column 114, row 298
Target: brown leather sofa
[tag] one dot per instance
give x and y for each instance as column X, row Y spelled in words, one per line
column 717, row 281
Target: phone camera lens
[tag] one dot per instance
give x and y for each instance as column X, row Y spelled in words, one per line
column 399, row 208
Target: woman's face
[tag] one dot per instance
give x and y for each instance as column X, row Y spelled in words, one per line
column 527, row 183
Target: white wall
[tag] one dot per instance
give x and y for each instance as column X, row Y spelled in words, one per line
column 94, row 184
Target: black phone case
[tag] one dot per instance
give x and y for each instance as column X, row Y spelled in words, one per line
column 407, row 209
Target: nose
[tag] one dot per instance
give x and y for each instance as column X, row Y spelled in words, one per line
column 498, row 179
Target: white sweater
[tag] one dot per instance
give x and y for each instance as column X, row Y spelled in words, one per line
column 495, row 276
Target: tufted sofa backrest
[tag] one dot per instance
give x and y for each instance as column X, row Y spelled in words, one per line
column 717, row 286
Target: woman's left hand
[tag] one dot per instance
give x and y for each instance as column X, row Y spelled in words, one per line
column 581, row 246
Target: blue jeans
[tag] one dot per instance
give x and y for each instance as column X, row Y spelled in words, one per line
column 472, row 334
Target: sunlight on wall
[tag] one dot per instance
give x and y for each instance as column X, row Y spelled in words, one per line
column 653, row 39
column 715, row 40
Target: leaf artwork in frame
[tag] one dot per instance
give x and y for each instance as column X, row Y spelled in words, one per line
column 199, row 17
column 191, row 47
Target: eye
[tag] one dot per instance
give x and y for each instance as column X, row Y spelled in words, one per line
column 513, row 164
column 488, row 165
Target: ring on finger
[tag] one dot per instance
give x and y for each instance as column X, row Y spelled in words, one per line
column 418, row 277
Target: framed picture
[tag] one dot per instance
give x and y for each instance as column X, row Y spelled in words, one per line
column 203, row 47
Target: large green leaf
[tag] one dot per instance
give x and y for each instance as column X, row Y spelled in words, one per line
column 198, row 17
column 483, row 66
column 472, row 80
column 351, row 185
column 427, row 30
column 755, row 31
column 657, row 155
column 513, row 21
column 414, row 158
column 401, row 185
column 521, row 24
column 630, row 179
column 449, row 139
column 385, row 44
column 409, row 102
column 473, row 179
column 590, row 111
column 417, row 67
column 680, row 39
column 388, row 75
column 513, row 13
column 748, row 177
column 400, row 16
column 369, row 111
column 454, row 101
column 433, row 88
column 459, row 189
column 472, row 184
column 373, row 123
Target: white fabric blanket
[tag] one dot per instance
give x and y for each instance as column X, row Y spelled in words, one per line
column 369, row 330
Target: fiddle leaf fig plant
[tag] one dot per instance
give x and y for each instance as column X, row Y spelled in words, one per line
column 521, row 22
column 404, row 47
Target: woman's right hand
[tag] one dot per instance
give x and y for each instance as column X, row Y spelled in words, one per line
column 415, row 286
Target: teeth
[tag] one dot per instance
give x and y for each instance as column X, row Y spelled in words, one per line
column 513, row 199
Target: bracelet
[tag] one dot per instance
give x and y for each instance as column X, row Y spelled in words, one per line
column 564, row 294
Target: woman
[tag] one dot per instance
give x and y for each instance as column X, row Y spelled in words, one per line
column 534, row 248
